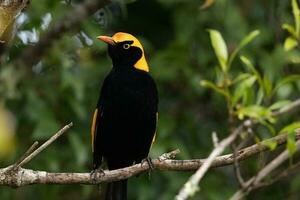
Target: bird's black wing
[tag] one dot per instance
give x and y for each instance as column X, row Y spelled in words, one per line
column 151, row 116
column 98, row 113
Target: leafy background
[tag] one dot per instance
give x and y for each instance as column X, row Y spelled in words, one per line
column 64, row 86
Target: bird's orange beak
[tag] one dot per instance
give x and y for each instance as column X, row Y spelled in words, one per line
column 106, row 39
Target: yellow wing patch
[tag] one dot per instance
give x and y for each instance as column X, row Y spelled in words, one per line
column 94, row 127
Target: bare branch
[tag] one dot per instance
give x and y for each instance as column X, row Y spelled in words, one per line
column 22, row 177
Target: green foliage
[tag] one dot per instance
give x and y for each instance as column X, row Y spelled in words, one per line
column 290, row 130
column 271, row 144
column 239, row 93
column 293, row 40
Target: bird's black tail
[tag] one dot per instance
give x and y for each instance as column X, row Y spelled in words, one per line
column 116, row 190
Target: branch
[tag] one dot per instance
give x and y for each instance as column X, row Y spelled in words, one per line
column 32, row 55
column 21, row 177
column 256, row 180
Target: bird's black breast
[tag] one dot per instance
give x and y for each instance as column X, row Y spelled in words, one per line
column 128, row 116
column 128, row 90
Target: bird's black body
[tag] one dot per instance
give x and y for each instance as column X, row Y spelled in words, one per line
column 126, row 116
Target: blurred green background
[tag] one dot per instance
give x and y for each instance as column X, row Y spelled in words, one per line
column 64, row 87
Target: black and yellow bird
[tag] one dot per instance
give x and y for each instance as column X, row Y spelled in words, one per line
column 124, row 122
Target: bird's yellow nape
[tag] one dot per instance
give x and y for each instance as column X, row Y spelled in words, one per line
column 121, row 37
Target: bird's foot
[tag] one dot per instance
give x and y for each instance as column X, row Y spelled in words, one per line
column 149, row 162
column 95, row 173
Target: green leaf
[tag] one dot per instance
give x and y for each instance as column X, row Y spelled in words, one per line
column 296, row 13
column 286, row 80
column 211, row 85
column 290, row 43
column 254, row 111
column 289, row 28
column 279, row 104
column 270, row 144
column 268, row 88
column 241, row 77
column 260, row 96
column 249, row 81
column 285, row 91
column 291, row 144
column 290, row 128
column 268, row 125
column 241, row 89
column 242, row 44
column 220, row 48
column 248, row 63
column 294, row 57
column 249, row 96
column 251, row 67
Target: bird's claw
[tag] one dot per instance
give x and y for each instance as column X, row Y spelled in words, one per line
column 95, row 173
column 149, row 162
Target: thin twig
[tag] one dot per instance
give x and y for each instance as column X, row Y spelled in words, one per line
column 285, row 173
column 45, row 145
column 215, row 139
column 235, row 149
column 27, row 153
column 236, row 166
column 191, row 186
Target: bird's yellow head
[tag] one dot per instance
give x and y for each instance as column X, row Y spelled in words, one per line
column 126, row 50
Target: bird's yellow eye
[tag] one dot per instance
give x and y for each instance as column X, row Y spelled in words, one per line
column 126, row 46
